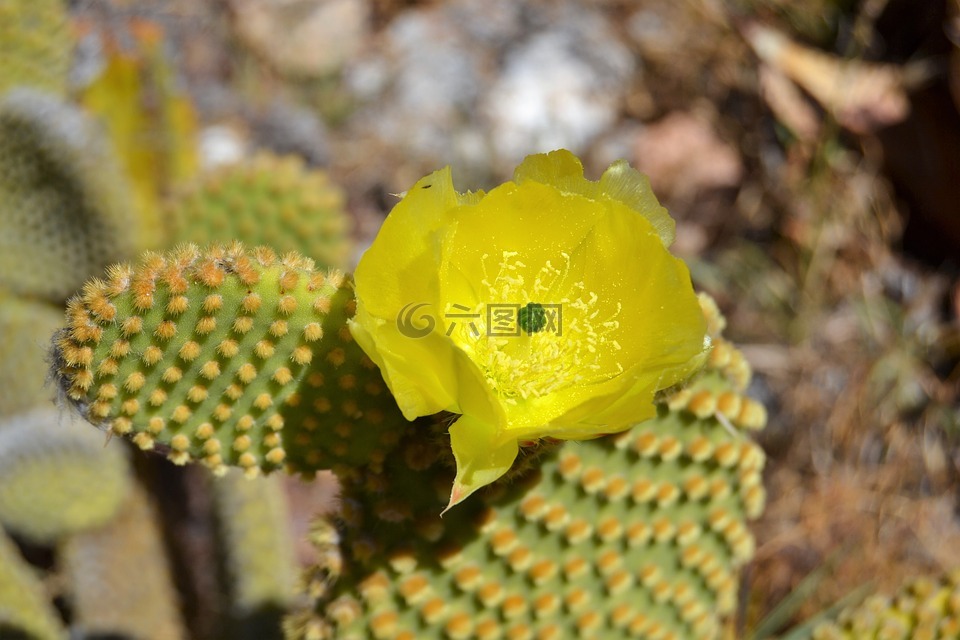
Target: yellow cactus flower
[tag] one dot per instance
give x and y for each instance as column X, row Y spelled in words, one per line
column 548, row 307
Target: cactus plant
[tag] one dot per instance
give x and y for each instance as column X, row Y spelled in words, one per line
column 239, row 358
column 924, row 608
column 25, row 329
column 120, row 583
column 56, row 475
column 257, row 550
column 35, row 45
column 268, row 200
column 64, row 212
column 229, row 356
column 25, row 611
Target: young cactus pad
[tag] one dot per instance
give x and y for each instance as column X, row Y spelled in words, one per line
column 65, row 208
column 230, row 356
column 268, row 200
column 635, row 535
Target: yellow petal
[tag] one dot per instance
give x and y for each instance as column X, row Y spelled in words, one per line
column 425, row 374
column 620, row 182
column 661, row 324
column 432, row 388
column 399, row 272
column 560, row 169
column 534, row 221
column 623, row 183
column 481, row 458
column 400, row 266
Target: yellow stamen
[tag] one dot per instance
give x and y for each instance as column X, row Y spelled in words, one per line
column 569, row 351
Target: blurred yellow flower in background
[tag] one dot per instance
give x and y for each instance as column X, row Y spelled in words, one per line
column 548, row 307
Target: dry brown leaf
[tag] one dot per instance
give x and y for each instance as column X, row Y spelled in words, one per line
column 861, row 96
column 788, row 104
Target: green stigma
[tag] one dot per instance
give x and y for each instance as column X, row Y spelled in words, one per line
column 532, row 318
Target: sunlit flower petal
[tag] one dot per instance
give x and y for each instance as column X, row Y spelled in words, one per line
column 548, row 307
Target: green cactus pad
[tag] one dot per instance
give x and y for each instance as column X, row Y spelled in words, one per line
column 25, row 329
column 268, row 200
column 635, row 535
column 924, row 608
column 119, row 579
column 35, row 45
column 25, row 611
column 64, row 207
column 56, row 475
column 641, row 535
column 257, row 548
column 229, row 356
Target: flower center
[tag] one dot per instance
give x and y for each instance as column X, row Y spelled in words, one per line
column 532, row 318
column 536, row 333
